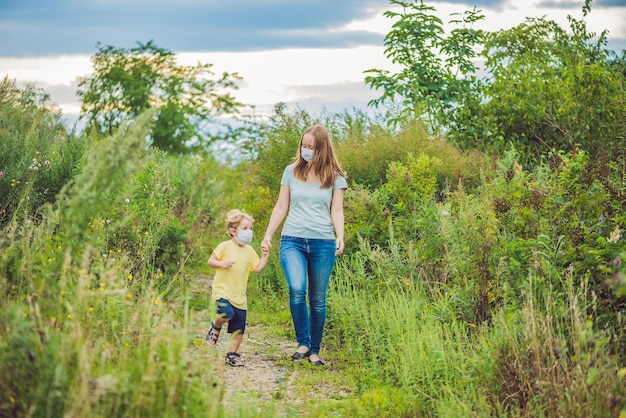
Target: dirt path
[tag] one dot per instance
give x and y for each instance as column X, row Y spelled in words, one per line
column 269, row 384
column 265, row 383
column 268, row 376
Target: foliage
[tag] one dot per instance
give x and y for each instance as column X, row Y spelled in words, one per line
column 437, row 71
column 37, row 155
column 127, row 82
column 542, row 357
column 548, row 89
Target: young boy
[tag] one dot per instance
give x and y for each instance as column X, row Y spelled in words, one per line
column 233, row 260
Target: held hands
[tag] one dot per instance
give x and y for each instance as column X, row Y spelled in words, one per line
column 266, row 244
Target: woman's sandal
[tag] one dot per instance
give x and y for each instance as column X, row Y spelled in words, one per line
column 212, row 335
column 299, row 356
column 316, row 363
column 234, row 359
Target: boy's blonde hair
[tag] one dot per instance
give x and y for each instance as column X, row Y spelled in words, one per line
column 234, row 218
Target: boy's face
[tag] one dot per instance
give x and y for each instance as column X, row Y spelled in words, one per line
column 244, row 224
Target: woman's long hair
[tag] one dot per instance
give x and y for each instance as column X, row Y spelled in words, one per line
column 324, row 162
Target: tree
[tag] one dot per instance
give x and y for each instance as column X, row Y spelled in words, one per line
column 127, row 82
column 437, row 71
column 545, row 88
column 549, row 88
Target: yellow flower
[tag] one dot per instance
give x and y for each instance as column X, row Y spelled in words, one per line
column 128, row 296
column 69, row 316
column 156, row 301
column 91, row 309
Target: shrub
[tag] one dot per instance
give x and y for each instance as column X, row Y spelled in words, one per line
column 37, row 155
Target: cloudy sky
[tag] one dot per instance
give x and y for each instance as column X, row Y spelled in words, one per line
column 310, row 53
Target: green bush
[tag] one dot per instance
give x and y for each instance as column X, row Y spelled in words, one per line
column 37, row 155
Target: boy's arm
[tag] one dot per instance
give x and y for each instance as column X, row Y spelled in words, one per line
column 216, row 263
column 262, row 263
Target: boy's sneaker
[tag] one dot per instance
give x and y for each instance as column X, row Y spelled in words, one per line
column 234, row 359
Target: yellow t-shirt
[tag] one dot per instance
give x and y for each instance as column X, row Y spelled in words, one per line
column 232, row 283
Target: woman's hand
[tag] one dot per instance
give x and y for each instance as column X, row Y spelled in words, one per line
column 339, row 246
column 266, row 244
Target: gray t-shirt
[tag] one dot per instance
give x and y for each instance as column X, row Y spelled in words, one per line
column 309, row 207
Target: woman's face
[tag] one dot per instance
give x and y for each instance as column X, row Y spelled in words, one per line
column 308, row 141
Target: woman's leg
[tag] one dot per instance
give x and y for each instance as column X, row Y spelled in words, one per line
column 294, row 264
column 321, row 263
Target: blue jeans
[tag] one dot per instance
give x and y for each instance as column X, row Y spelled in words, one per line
column 307, row 263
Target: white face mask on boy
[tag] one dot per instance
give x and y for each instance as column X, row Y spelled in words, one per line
column 307, row 154
column 244, row 236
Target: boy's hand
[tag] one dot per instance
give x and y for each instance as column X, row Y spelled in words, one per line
column 265, row 251
column 226, row 264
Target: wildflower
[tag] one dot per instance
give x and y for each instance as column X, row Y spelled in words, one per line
column 1, row 173
column 156, row 301
column 128, row 296
column 127, row 200
column 69, row 316
column 615, row 235
column 91, row 309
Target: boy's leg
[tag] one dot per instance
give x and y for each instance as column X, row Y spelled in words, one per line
column 224, row 314
column 236, row 339
column 236, row 328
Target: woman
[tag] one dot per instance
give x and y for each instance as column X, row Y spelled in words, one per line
column 311, row 196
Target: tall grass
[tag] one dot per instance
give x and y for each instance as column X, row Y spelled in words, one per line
column 545, row 359
column 80, row 336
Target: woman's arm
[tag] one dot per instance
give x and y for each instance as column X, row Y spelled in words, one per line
column 336, row 214
column 278, row 214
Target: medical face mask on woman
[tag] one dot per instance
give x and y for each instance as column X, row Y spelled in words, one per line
column 307, row 154
column 244, row 236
